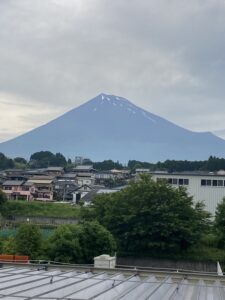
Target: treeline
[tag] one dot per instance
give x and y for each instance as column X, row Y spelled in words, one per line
column 68, row 243
column 44, row 159
column 212, row 164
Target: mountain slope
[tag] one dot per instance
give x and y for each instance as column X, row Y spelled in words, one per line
column 112, row 127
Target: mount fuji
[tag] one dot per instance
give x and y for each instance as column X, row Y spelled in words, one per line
column 111, row 127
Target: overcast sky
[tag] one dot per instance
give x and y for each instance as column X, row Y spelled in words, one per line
column 165, row 56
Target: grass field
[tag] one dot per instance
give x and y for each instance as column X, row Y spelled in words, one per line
column 43, row 209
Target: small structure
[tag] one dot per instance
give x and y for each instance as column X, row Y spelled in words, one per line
column 105, row 261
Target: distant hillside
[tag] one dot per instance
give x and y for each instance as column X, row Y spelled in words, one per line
column 112, row 127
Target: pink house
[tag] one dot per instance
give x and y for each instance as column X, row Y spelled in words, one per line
column 17, row 189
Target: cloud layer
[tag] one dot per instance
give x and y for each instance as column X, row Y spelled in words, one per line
column 168, row 57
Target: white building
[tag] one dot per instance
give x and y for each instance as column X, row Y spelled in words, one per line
column 206, row 187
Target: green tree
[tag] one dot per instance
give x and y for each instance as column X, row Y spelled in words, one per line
column 3, row 200
column 44, row 159
column 20, row 160
column 219, row 222
column 95, row 240
column 5, row 162
column 59, row 160
column 8, row 246
column 28, row 240
column 64, row 245
column 80, row 243
column 151, row 216
column 107, row 165
column 41, row 159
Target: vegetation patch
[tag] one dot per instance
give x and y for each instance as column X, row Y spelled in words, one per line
column 39, row 209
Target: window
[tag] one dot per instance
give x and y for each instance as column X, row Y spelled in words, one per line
column 203, row 182
column 7, row 188
column 174, row 180
column 170, row 181
column 181, row 181
column 214, row 183
column 25, row 188
column 186, row 181
column 208, row 182
column 220, row 182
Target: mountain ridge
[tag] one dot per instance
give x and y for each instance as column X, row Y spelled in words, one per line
column 112, row 127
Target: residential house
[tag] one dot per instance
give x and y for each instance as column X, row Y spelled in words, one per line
column 43, row 188
column 62, row 188
column 84, row 169
column 54, row 171
column 85, row 178
column 17, row 189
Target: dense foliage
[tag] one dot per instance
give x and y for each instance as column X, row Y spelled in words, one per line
column 151, row 216
column 220, row 223
column 28, row 240
column 45, row 159
column 107, row 165
column 38, row 209
column 68, row 243
column 212, row 164
column 80, row 243
column 3, row 200
column 5, row 162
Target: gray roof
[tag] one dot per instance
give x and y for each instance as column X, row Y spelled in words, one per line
column 33, row 282
column 85, row 167
column 13, row 182
column 54, row 169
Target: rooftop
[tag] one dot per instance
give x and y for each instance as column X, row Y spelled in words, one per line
column 190, row 173
column 25, row 282
column 13, row 182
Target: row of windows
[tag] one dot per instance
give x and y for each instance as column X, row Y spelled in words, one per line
column 208, row 182
column 176, row 181
column 185, row 181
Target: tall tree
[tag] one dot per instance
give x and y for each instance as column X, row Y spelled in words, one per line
column 151, row 216
column 28, row 240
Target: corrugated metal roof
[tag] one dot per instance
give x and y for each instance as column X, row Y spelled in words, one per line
column 31, row 283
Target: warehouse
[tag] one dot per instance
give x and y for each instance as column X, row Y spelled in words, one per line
column 208, row 187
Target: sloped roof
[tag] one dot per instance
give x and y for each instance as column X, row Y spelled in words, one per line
column 41, row 181
column 33, row 282
column 13, row 182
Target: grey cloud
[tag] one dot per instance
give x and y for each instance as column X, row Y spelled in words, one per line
column 168, row 57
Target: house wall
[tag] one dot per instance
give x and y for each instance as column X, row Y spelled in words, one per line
column 19, row 190
column 210, row 195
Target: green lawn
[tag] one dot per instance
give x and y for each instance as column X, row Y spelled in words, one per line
column 43, row 209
